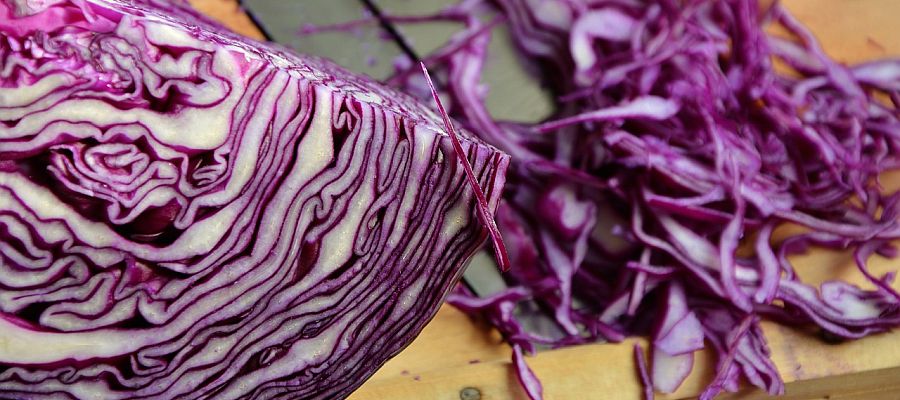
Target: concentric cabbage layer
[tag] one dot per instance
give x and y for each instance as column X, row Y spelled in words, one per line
column 187, row 214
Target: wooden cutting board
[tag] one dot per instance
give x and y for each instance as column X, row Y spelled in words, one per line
column 458, row 358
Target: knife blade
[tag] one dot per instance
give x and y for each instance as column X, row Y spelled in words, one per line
column 363, row 49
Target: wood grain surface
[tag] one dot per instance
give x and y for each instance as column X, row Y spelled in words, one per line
column 455, row 354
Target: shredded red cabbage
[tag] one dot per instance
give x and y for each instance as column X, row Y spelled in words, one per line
column 642, row 371
column 678, row 143
column 485, row 213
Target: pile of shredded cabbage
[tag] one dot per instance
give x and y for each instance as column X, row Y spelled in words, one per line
column 685, row 134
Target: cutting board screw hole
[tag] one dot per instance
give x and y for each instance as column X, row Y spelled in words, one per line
column 470, row 393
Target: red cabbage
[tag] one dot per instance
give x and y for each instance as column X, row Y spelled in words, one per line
column 185, row 213
column 684, row 135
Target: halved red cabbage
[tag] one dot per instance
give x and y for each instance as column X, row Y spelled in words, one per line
column 189, row 214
